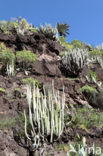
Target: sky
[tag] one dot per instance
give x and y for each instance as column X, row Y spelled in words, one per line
column 85, row 17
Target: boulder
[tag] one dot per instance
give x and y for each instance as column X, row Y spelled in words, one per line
column 46, row 68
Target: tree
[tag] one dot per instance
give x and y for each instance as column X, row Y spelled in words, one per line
column 63, row 29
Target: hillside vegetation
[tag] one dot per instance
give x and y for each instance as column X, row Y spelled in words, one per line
column 51, row 92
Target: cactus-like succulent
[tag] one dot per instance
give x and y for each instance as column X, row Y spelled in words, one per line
column 46, row 115
column 49, row 31
column 73, row 62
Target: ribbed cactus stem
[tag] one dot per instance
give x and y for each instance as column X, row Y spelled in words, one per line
column 46, row 113
column 74, row 61
column 29, row 98
column 34, row 99
column 26, row 126
column 52, row 122
column 10, row 68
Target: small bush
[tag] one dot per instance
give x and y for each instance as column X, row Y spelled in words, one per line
column 88, row 89
column 24, row 57
column 97, row 56
column 65, row 44
column 31, row 81
column 94, row 53
column 87, row 118
column 7, row 58
column 5, row 27
column 92, row 77
column 7, row 123
column 78, row 44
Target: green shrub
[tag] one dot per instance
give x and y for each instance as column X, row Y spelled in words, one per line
column 97, row 56
column 24, row 57
column 65, row 44
column 62, row 39
column 92, row 77
column 5, row 27
column 85, row 118
column 88, row 89
column 9, row 123
column 94, row 53
column 76, row 43
column 8, row 57
column 31, row 81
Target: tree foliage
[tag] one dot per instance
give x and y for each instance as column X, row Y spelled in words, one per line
column 63, row 29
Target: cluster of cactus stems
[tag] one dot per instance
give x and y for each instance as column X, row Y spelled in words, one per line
column 98, row 59
column 49, row 31
column 74, row 61
column 10, row 68
column 46, row 115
